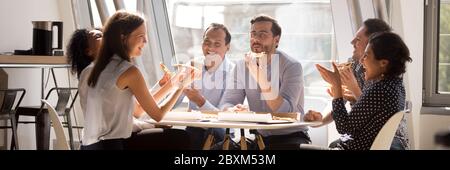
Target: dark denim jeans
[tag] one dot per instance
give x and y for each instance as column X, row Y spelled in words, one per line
column 396, row 144
column 286, row 142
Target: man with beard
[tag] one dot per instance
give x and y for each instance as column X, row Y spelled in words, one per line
column 271, row 81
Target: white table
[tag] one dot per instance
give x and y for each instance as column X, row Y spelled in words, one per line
column 228, row 124
column 214, row 123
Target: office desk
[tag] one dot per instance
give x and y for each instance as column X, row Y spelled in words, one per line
column 214, row 123
column 42, row 62
column 7, row 60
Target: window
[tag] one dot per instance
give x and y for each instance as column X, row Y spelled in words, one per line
column 307, row 31
column 131, row 5
column 95, row 14
column 110, row 8
column 437, row 53
column 444, row 48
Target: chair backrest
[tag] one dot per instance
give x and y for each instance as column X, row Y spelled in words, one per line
column 63, row 99
column 384, row 138
column 408, row 106
column 61, row 142
column 8, row 99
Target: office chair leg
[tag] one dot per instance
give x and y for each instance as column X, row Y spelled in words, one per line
column 15, row 141
column 69, row 129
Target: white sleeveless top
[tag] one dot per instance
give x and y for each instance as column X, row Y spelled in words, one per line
column 107, row 109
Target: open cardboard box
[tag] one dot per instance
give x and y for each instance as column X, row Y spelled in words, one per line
column 259, row 117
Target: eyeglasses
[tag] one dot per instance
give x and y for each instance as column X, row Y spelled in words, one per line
column 260, row 35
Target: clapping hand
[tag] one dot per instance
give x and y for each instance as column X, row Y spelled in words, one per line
column 348, row 79
column 257, row 68
column 332, row 77
column 252, row 65
column 347, row 94
column 186, row 75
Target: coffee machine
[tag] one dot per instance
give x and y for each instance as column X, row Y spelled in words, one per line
column 43, row 37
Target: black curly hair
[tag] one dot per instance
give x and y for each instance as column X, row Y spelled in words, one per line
column 390, row 46
column 76, row 51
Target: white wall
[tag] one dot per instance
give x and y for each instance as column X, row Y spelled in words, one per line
column 423, row 125
column 429, row 126
column 16, row 33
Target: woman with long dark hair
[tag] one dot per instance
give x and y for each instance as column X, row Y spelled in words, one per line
column 112, row 84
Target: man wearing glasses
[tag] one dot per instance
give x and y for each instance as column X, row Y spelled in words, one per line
column 271, row 81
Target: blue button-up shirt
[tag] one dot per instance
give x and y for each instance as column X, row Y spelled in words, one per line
column 290, row 85
column 212, row 86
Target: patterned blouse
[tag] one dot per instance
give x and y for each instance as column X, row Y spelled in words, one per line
column 378, row 102
column 402, row 134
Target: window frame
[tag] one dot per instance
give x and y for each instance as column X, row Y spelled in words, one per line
column 162, row 32
column 334, row 51
column 82, row 14
column 337, row 54
column 431, row 96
